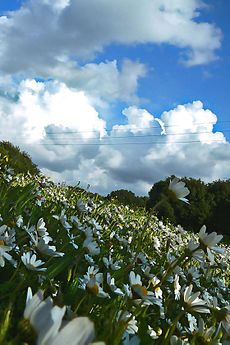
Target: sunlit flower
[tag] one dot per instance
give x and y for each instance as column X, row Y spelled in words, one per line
column 209, row 242
column 194, row 252
column 109, row 263
column 177, row 287
column 46, row 249
column 92, row 282
column 192, row 322
column 136, row 285
column 92, row 246
column 156, row 243
column 193, row 302
column 47, row 321
column 113, row 287
column 30, row 261
column 19, row 221
column 179, row 189
column 158, row 292
column 41, row 228
column 81, row 206
column 138, row 291
column 7, row 236
column 129, row 320
column 89, row 259
column 154, row 334
column 4, row 255
column 63, row 219
column 39, row 198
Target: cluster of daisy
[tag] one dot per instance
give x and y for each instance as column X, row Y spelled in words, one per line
column 105, row 273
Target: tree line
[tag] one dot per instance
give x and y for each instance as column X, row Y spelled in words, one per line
column 209, row 204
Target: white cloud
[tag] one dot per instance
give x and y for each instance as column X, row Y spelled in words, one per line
column 46, row 33
column 105, row 80
column 190, row 119
column 43, row 109
column 139, row 121
column 132, row 156
column 41, row 105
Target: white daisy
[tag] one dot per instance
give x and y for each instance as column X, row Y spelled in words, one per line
column 209, row 243
column 92, row 246
column 46, row 249
column 179, row 189
column 47, row 322
column 4, row 255
column 30, row 261
column 177, row 287
column 193, row 302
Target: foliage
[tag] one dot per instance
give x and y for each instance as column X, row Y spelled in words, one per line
column 19, row 160
column 127, row 197
column 208, row 204
column 125, row 270
column 219, row 218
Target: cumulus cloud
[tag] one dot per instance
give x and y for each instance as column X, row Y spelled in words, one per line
column 46, row 33
column 42, row 116
column 40, row 106
column 66, row 136
column 104, row 81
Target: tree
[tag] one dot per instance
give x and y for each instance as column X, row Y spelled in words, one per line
column 127, row 197
column 219, row 220
column 164, row 200
column 195, row 215
column 192, row 216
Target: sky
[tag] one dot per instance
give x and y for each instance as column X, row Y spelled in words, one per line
column 117, row 94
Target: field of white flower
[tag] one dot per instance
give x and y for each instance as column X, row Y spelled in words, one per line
column 77, row 269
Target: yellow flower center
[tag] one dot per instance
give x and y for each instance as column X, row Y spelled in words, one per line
column 158, row 291
column 139, row 290
column 94, row 289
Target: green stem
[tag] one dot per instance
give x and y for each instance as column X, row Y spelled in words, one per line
column 171, row 329
column 79, row 304
column 171, row 268
column 176, row 263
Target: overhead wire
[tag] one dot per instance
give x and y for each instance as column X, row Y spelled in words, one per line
column 139, row 136
column 127, row 143
column 124, row 127
column 103, row 141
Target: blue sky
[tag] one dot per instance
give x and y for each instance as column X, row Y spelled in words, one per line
column 149, row 79
column 170, row 83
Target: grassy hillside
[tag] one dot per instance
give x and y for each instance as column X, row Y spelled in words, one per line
column 76, row 268
column 18, row 160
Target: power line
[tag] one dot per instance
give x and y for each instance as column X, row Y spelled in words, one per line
column 126, row 143
column 136, row 128
column 105, row 140
column 141, row 136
